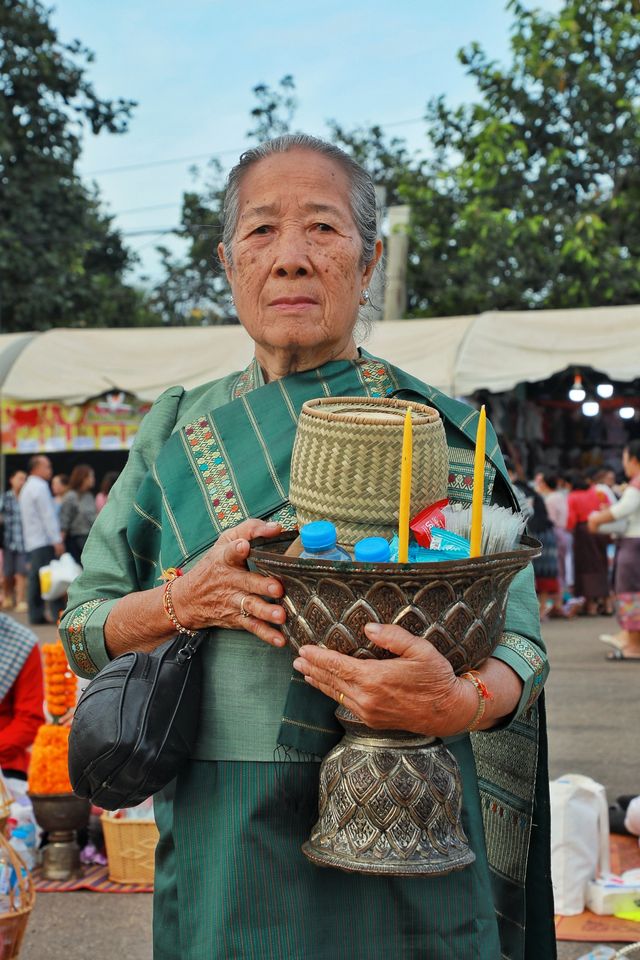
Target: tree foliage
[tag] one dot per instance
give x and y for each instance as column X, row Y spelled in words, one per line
column 528, row 198
column 61, row 260
column 532, row 197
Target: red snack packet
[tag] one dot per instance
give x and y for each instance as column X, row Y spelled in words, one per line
column 430, row 517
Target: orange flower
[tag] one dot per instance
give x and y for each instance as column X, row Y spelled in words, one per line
column 48, row 770
column 59, row 681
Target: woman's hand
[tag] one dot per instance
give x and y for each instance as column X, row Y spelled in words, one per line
column 219, row 591
column 416, row 691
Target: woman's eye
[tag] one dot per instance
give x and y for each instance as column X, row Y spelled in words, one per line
column 262, row 229
column 324, row 227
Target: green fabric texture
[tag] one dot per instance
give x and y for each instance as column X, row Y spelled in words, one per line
column 237, row 829
column 203, row 461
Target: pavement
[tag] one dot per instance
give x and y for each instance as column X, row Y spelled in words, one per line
column 592, row 721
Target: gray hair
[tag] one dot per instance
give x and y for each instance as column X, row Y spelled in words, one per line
column 363, row 197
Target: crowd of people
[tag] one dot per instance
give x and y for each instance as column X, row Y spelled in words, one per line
column 44, row 516
column 589, row 527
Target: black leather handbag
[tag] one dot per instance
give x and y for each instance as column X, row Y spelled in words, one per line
column 136, row 724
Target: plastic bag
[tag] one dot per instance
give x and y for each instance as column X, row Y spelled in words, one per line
column 56, row 577
column 579, row 839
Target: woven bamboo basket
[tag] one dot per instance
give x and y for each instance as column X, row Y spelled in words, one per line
column 13, row 923
column 131, row 846
column 346, row 463
column 5, row 803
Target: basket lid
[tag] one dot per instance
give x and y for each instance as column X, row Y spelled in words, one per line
column 362, row 410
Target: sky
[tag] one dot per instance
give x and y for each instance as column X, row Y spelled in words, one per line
column 191, row 66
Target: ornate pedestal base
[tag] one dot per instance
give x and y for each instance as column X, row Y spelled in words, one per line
column 389, row 804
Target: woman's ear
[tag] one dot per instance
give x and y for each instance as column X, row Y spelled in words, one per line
column 370, row 267
column 225, row 263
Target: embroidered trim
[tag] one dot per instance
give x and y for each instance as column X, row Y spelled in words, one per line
column 247, row 381
column 75, row 630
column 376, row 378
column 460, row 481
column 286, row 515
column 213, row 473
column 529, row 653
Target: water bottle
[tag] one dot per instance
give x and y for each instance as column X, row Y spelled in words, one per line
column 320, row 542
column 373, row 550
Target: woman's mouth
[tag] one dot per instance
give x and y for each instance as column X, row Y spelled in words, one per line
column 293, row 303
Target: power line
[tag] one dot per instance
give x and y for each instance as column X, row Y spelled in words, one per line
column 217, row 153
column 156, row 206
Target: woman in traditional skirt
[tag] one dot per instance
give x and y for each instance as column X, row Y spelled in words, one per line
column 627, row 576
column 591, row 568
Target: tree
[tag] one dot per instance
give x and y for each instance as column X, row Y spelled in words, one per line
column 532, row 196
column 61, row 260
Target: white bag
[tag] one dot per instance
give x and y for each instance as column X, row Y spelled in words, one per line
column 632, row 818
column 57, row 576
column 579, row 839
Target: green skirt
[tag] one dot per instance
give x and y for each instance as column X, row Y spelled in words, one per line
column 233, row 884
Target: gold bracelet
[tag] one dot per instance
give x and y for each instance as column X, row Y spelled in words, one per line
column 483, row 696
column 167, row 603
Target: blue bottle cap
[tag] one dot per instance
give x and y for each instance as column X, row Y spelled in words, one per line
column 319, row 535
column 372, row 550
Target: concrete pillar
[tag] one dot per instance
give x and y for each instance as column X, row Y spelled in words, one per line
column 395, row 297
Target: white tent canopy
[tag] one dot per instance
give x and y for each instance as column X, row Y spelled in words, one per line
column 494, row 351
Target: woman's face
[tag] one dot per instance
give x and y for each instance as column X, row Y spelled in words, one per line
column 89, row 482
column 296, row 267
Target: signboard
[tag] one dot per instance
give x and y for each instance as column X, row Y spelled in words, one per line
column 106, row 423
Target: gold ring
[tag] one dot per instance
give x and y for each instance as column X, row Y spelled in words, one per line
column 341, row 699
column 245, row 613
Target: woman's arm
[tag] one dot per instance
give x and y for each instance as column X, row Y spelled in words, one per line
column 28, row 714
column 209, row 595
column 626, row 505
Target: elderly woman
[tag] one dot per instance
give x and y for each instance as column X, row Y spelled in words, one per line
column 208, row 473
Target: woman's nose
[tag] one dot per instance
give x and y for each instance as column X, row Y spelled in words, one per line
column 292, row 259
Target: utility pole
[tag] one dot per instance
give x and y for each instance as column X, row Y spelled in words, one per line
column 395, row 296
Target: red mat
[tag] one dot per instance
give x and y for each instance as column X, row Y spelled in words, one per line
column 589, row 927
column 94, row 878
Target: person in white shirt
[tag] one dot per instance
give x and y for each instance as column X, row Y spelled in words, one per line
column 41, row 531
column 627, row 580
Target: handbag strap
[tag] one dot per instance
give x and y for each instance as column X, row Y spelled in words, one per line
column 189, row 646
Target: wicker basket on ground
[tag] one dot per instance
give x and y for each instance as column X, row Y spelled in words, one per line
column 131, row 846
column 21, row 897
column 346, row 462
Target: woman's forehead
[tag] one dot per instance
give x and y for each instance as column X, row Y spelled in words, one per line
column 313, row 178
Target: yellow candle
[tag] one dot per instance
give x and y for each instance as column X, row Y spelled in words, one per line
column 478, row 484
column 405, row 490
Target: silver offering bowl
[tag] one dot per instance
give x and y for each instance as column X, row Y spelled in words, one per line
column 390, row 801
column 61, row 815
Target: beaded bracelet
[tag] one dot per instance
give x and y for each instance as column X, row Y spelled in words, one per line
column 483, row 696
column 167, row 603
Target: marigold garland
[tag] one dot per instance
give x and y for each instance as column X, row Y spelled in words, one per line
column 48, row 769
column 59, row 682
